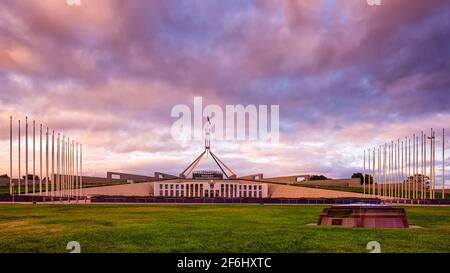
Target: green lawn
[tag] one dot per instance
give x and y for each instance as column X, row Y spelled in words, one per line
column 207, row 228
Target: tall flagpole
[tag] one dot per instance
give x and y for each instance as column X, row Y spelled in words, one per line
column 370, row 173
column 402, row 175
column 394, row 190
column 81, row 168
column 20, row 174
column 364, row 173
column 63, row 167
column 408, row 192
column 379, row 171
column 57, row 177
column 40, row 160
column 417, row 167
column 76, row 171
column 46, row 163
column 53, row 163
column 34, row 157
column 422, row 184
column 425, row 164
column 374, row 173
column 414, row 167
column 384, row 171
column 26, row 155
column 443, row 164
column 397, row 185
column 389, row 172
column 10, row 158
column 434, row 164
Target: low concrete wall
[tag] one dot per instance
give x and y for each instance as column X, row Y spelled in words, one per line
column 287, row 179
column 346, row 182
column 350, row 182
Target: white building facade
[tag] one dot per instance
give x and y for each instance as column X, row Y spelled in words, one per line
column 210, row 188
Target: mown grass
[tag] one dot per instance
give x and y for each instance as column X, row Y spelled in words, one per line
column 207, row 228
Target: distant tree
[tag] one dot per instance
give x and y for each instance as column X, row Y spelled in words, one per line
column 4, row 176
column 360, row 176
column 318, row 177
column 420, row 180
column 30, row 177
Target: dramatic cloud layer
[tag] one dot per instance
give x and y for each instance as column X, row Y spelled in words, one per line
column 347, row 76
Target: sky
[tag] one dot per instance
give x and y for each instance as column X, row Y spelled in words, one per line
column 347, row 76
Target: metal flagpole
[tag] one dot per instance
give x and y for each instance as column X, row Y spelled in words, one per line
column 389, row 172
column 63, row 167
column 364, row 173
column 414, row 166
column 431, row 163
column 443, row 163
column 34, row 157
column 66, row 167
column 379, row 171
column 76, row 172
column 20, row 174
column 384, row 171
column 408, row 192
column 425, row 164
column 46, row 163
column 58, row 172
column 402, row 175
column 394, row 190
column 53, row 162
column 375, row 178
column 397, row 185
column 81, row 168
column 10, row 158
column 434, row 164
column 40, row 160
column 370, row 173
column 71, row 169
column 422, row 178
column 374, row 173
column 417, row 167
column 26, row 155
